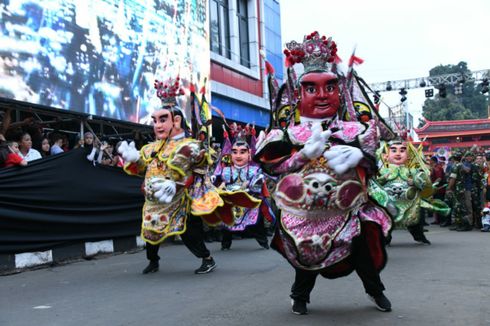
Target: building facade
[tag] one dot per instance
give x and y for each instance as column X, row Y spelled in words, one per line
column 239, row 29
column 454, row 134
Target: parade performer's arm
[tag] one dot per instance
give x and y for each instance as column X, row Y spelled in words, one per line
column 383, row 176
column 256, row 183
column 420, row 179
column 312, row 149
column 188, row 161
column 134, row 165
column 351, row 152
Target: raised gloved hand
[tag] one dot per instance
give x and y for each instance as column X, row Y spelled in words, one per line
column 342, row 158
column 164, row 190
column 260, row 139
column 315, row 145
column 129, row 152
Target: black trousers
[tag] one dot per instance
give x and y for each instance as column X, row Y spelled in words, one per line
column 304, row 281
column 193, row 239
column 257, row 231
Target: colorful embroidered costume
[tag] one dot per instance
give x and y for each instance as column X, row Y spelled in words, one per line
column 324, row 156
column 322, row 211
column 404, row 184
column 177, row 189
column 247, row 178
column 237, row 175
column 184, row 162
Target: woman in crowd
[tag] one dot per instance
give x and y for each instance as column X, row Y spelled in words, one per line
column 25, row 146
column 45, row 147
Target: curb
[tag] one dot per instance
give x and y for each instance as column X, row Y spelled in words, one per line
column 16, row 263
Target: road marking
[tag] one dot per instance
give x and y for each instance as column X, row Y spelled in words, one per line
column 41, row 307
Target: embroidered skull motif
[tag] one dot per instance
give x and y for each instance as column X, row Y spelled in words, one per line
column 396, row 191
column 319, row 188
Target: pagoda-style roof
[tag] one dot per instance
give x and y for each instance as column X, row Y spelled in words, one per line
column 448, row 128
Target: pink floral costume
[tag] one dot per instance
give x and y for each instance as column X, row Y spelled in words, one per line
column 321, row 212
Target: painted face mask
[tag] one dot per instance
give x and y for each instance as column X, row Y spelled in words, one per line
column 319, row 95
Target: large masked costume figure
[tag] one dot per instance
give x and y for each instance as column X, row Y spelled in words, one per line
column 324, row 158
column 238, row 174
column 177, row 191
column 405, row 188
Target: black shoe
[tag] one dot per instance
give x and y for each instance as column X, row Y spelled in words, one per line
column 264, row 244
column 151, row 268
column 447, row 223
column 299, row 307
column 382, row 303
column 464, row 228
column 207, row 266
column 225, row 245
column 388, row 240
column 455, row 227
column 422, row 240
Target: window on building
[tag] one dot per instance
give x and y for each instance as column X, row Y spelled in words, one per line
column 242, row 14
column 219, row 27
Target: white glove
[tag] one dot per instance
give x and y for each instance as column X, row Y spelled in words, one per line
column 129, row 152
column 342, row 158
column 164, row 190
column 260, row 139
column 315, row 145
column 91, row 156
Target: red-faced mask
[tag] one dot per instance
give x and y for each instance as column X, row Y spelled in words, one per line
column 320, row 95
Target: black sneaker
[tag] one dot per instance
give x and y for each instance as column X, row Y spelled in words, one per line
column 225, row 246
column 464, row 228
column 299, row 307
column 207, row 266
column 151, row 268
column 382, row 303
column 263, row 244
column 423, row 240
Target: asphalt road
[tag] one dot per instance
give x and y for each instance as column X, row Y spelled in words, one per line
column 447, row 283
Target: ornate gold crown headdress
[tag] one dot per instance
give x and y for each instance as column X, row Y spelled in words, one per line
column 168, row 91
column 315, row 53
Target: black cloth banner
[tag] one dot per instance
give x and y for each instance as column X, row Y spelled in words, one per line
column 65, row 199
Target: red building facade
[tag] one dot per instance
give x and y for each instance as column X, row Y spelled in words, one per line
column 454, row 134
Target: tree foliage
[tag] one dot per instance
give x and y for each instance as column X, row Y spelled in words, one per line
column 471, row 104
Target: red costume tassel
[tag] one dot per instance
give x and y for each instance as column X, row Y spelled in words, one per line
column 268, row 68
column 192, row 88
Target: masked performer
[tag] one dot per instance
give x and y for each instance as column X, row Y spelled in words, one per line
column 177, row 195
column 241, row 174
column 405, row 179
column 328, row 225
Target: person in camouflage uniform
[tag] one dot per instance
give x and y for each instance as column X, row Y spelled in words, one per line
column 477, row 189
column 457, row 194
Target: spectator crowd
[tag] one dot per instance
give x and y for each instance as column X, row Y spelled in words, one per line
column 26, row 141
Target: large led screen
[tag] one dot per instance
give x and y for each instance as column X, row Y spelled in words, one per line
column 100, row 57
